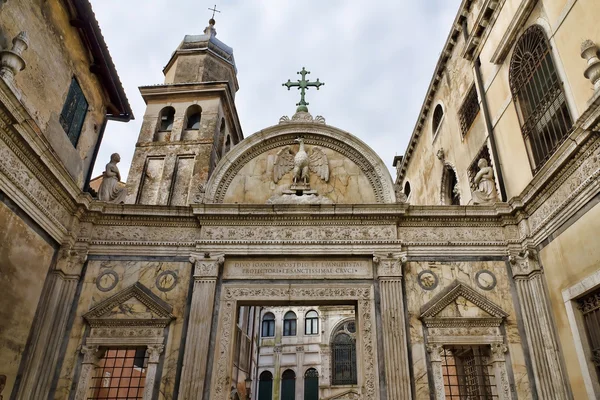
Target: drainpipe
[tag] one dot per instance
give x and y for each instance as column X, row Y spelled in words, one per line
column 488, row 119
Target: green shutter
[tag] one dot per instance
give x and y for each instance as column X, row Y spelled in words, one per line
column 73, row 112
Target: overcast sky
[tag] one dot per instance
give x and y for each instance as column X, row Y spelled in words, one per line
column 376, row 58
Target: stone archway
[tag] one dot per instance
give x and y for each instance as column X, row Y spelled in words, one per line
column 234, row 294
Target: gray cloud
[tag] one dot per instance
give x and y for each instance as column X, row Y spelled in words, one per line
column 376, row 58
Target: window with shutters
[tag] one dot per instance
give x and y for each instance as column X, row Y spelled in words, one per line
column 538, row 92
column 73, row 112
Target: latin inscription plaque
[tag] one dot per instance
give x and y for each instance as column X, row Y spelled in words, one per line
column 297, row 269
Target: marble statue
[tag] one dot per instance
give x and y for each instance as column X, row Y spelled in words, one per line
column 110, row 189
column 486, row 186
column 300, row 163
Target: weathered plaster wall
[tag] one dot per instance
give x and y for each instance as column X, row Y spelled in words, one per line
column 129, row 272
column 55, row 55
column 464, row 272
column 25, row 259
column 254, row 182
column 568, row 259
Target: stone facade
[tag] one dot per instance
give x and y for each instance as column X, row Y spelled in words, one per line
column 200, row 237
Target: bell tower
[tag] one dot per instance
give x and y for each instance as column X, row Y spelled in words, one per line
column 190, row 123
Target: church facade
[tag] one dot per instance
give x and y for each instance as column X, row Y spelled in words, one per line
column 474, row 273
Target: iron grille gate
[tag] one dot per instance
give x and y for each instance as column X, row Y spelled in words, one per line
column 590, row 308
column 344, row 363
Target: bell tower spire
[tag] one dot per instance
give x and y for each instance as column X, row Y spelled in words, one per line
column 190, row 123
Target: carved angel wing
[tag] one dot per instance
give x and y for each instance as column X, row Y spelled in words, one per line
column 284, row 162
column 319, row 163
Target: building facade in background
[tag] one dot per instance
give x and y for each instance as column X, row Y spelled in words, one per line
column 290, row 264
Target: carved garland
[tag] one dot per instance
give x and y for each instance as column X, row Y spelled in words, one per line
column 366, row 165
column 233, row 294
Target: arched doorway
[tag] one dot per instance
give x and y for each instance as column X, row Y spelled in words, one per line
column 265, row 386
column 311, row 384
column 288, row 385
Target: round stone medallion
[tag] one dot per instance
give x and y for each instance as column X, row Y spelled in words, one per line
column 166, row 281
column 427, row 279
column 107, row 280
column 485, row 279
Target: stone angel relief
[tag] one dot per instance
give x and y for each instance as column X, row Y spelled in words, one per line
column 300, row 164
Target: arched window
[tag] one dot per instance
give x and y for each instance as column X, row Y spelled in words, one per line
column 289, row 324
column 227, row 145
column 288, row 385
column 537, row 90
column 268, row 325
column 450, row 189
column 311, row 384
column 407, row 188
column 167, row 116
column 265, row 386
column 343, row 354
column 311, row 323
column 438, row 114
column 192, row 117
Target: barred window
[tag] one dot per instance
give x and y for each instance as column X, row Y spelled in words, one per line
column 468, row 111
column 311, row 323
column 438, row 114
column 289, row 324
column 120, row 374
column 73, row 112
column 268, row 325
column 542, row 107
column 468, row 373
column 590, row 308
column 343, row 351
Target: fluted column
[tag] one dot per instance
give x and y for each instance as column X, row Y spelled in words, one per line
column 154, row 353
column 51, row 324
column 397, row 375
column 206, row 271
column 541, row 339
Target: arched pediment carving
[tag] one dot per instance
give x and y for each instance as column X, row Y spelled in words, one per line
column 249, row 165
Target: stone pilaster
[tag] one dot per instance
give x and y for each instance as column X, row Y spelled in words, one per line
column 500, row 372
column 206, row 271
column 548, row 371
column 154, row 353
column 91, row 356
column 52, row 322
column 435, row 357
column 397, row 375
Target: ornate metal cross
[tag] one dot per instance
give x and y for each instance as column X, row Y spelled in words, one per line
column 303, row 85
column 214, row 10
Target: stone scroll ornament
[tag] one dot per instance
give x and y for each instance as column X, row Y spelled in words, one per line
column 111, row 190
column 486, row 186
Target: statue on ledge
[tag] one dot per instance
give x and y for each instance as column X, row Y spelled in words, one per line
column 110, row 190
column 486, row 186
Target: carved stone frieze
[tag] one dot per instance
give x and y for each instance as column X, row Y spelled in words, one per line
column 300, row 233
column 454, row 234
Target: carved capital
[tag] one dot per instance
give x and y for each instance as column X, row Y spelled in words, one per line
column 435, row 352
column 498, row 350
column 70, row 261
column 207, row 266
column 154, row 353
column 524, row 264
column 91, row 354
column 389, row 265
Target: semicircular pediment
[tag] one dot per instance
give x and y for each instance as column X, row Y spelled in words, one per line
column 330, row 166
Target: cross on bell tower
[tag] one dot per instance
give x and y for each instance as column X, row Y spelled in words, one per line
column 303, row 85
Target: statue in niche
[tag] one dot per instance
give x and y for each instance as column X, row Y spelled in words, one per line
column 486, row 186
column 111, row 190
